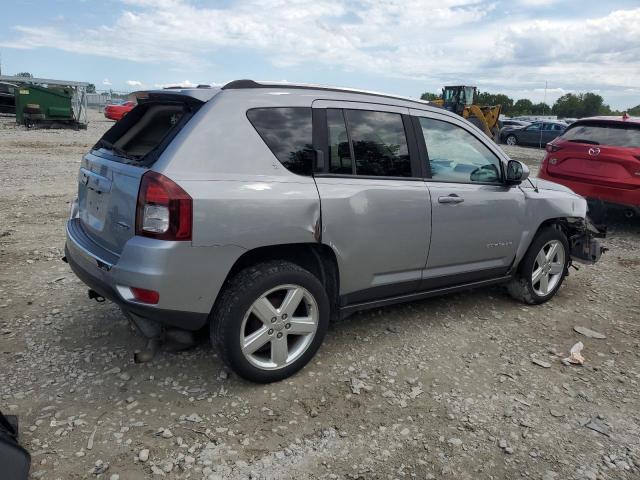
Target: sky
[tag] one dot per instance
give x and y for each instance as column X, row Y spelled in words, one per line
column 403, row 47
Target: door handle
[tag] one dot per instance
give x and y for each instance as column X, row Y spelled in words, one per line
column 452, row 198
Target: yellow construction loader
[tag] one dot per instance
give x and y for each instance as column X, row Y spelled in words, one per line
column 460, row 99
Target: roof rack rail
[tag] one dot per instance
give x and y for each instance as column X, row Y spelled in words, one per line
column 246, row 83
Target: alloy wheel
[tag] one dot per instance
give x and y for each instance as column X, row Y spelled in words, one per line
column 548, row 268
column 511, row 140
column 279, row 327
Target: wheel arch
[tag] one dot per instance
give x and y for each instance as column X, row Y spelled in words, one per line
column 564, row 224
column 317, row 258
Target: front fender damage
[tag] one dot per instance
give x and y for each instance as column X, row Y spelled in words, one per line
column 584, row 240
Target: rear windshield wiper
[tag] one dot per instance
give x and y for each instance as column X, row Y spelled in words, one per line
column 582, row 140
column 118, row 151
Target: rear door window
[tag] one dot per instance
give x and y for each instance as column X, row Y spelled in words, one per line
column 287, row 131
column 612, row 134
column 455, row 155
column 379, row 143
column 340, row 161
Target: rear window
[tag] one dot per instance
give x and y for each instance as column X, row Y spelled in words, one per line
column 287, row 131
column 146, row 130
column 613, row 134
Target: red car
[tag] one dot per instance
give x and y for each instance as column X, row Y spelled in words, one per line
column 116, row 111
column 598, row 158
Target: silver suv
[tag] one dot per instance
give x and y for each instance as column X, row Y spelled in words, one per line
column 264, row 210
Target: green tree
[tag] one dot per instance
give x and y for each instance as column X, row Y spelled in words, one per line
column 428, row 96
column 635, row 111
column 580, row 105
column 540, row 109
column 593, row 104
column 522, row 107
column 490, row 99
column 24, row 74
column 568, row 105
column 91, row 88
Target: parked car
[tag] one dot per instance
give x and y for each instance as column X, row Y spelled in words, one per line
column 202, row 208
column 514, row 123
column 598, row 158
column 536, row 134
column 115, row 111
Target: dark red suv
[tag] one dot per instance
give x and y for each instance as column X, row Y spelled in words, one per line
column 598, row 158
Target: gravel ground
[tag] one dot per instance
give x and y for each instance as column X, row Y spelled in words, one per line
column 443, row 388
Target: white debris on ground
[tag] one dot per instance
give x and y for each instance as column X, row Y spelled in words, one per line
column 465, row 386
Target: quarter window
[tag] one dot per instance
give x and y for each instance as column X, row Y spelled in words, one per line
column 379, row 143
column 287, row 131
column 457, row 156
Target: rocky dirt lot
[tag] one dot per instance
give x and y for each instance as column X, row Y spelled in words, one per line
column 443, row 388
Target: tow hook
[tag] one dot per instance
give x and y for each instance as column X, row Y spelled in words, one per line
column 93, row 295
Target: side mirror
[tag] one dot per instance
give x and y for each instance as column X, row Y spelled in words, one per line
column 517, row 172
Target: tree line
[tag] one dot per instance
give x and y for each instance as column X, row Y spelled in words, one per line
column 569, row 105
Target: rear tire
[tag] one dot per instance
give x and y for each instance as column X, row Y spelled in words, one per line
column 270, row 320
column 543, row 268
column 511, row 140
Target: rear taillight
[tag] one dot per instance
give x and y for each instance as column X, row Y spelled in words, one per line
column 164, row 210
column 552, row 148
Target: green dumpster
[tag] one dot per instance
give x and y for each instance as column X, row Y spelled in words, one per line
column 38, row 105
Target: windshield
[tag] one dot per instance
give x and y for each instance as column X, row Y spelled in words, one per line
column 612, row 134
column 468, row 95
column 449, row 95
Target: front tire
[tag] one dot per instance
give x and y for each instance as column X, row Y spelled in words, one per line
column 543, row 268
column 270, row 320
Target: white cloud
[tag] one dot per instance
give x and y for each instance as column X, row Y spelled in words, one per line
column 106, row 81
column 134, row 83
column 183, row 84
column 434, row 41
column 537, row 3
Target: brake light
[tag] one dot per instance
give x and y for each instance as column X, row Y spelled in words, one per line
column 550, row 147
column 164, row 210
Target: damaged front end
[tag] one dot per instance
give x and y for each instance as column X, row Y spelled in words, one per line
column 583, row 240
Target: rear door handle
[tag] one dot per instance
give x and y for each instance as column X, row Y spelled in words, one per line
column 452, row 198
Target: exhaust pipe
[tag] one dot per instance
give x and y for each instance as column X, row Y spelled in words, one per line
column 630, row 213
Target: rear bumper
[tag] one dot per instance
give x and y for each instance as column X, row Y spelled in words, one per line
column 629, row 197
column 175, row 318
column 187, row 278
